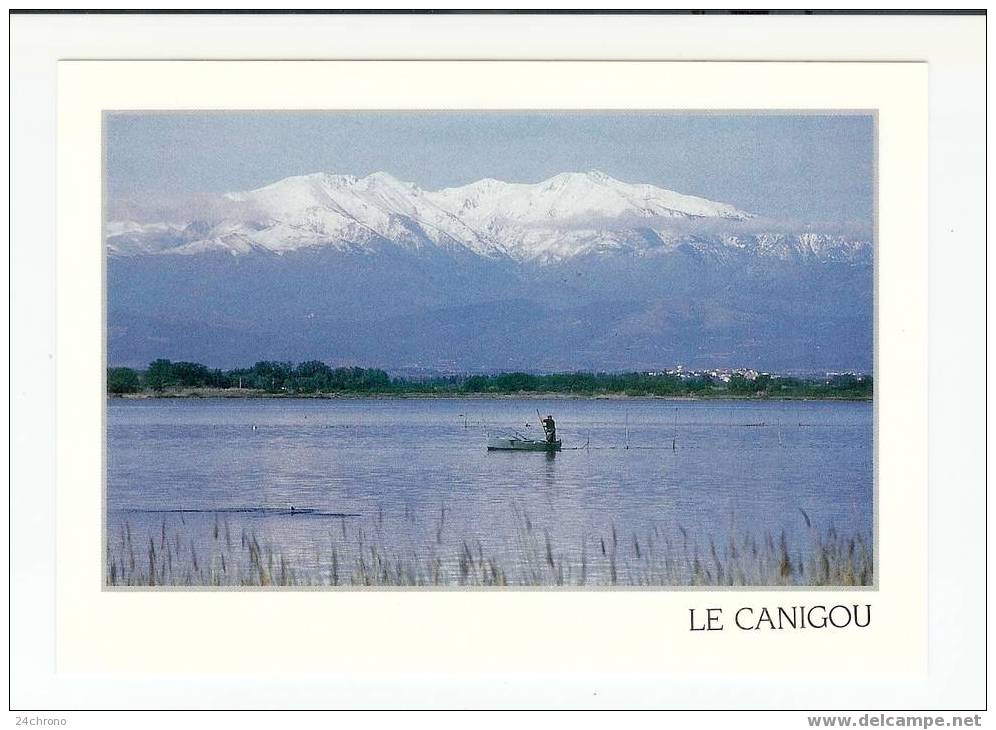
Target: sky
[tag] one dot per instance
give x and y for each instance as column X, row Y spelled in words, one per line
column 808, row 168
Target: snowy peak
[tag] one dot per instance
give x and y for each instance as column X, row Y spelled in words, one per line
column 571, row 197
column 567, row 215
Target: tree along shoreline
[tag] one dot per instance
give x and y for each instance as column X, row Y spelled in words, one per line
column 167, row 379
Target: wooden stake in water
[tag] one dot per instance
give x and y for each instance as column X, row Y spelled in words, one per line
column 674, row 437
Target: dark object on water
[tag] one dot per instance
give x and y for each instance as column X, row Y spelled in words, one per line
column 261, row 511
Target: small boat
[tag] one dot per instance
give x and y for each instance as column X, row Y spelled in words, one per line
column 521, row 443
column 515, row 441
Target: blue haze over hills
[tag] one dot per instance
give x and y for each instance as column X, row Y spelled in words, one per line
column 577, row 271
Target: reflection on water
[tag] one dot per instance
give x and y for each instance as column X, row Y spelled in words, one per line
column 413, row 478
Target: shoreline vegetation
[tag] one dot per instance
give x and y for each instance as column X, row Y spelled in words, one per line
column 218, row 553
column 268, row 379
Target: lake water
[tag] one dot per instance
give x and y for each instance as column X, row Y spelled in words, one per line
column 329, row 489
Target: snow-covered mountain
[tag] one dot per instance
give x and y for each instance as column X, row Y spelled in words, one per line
column 568, row 215
column 580, row 271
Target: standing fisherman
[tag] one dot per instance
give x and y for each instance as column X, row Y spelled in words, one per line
column 550, row 428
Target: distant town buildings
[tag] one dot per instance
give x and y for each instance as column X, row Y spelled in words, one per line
column 725, row 374
column 716, row 374
column 721, row 374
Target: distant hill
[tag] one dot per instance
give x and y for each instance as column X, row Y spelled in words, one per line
column 580, row 271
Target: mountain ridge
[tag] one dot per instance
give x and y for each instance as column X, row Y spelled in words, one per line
column 578, row 271
column 567, row 215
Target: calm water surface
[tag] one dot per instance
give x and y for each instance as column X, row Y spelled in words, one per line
column 412, row 476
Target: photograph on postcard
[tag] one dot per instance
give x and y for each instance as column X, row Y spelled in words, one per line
column 465, row 349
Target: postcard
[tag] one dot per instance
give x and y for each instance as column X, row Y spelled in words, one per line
column 521, row 348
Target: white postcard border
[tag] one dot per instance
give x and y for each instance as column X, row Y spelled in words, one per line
column 480, row 632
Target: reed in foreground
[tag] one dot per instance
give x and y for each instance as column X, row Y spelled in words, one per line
column 219, row 554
